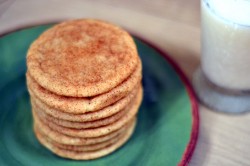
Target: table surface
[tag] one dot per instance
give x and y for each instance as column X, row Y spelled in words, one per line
column 174, row 26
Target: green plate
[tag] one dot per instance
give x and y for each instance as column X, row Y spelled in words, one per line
column 167, row 127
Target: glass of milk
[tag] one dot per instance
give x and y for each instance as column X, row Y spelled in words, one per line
column 223, row 80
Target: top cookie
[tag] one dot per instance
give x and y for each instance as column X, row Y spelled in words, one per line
column 82, row 58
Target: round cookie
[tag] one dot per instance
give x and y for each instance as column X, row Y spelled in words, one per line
column 82, row 58
column 68, row 140
column 78, row 105
column 79, row 125
column 79, row 155
column 91, row 147
column 91, row 116
column 96, row 132
column 86, row 148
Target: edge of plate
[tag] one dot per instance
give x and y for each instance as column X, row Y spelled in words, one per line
column 187, row 155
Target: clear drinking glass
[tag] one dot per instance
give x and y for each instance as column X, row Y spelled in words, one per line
column 223, row 80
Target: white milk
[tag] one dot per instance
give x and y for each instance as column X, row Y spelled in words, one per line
column 226, row 43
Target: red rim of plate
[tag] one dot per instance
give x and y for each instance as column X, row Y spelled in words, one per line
column 187, row 155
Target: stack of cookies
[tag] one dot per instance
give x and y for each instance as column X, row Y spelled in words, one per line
column 84, row 79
